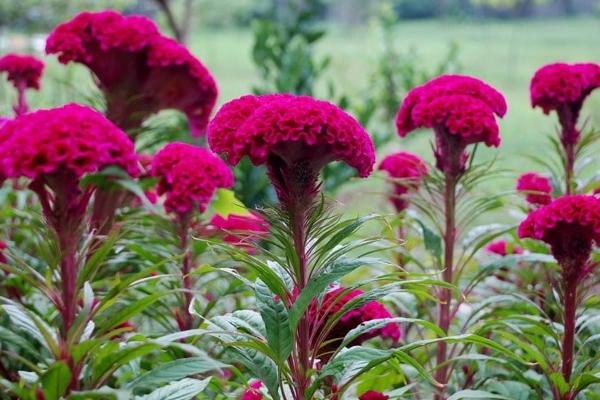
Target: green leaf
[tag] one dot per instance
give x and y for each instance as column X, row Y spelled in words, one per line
column 113, row 318
column 586, row 379
column 277, row 326
column 108, row 363
column 225, row 203
column 184, row 389
column 55, row 381
column 104, row 393
column 433, row 243
column 476, row 394
column 175, row 370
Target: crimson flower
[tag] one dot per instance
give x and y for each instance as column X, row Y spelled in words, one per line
column 503, row 248
column 241, row 230
column 563, row 88
column 461, row 111
column 189, row 176
column 332, row 303
column 373, row 395
column 139, row 70
column 537, row 188
column 570, row 225
column 295, row 136
column 3, row 247
column 24, row 72
column 406, row 170
column 253, row 392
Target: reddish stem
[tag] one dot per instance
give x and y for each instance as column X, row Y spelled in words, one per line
column 447, row 275
column 568, row 344
column 21, row 107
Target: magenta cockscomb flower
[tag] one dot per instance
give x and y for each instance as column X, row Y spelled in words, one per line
column 55, row 148
column 571, row 226
column 243, row 231
column 333, row 302
column 460, row 109
column 139, row 70
column 406, row 170
column 189, row 176
column 563, row 88
column 536, row 187
column 503, row 248
column 24, row 72
column 295, row 136
column 253, row 391
column 373, row 395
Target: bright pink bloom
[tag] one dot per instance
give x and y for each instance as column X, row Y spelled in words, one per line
column 139, row 70
column 241, row 230
column 333, row 302
column 189, row 175
column 290, row 127
column 3, row 247
column 71, row 139
column 536, row 187
column 563, row 88
column 407, row 170
column 253, row 392
column 373, row 395
column 503, row 248
column 23, row 71
column 461, row 111
column 570, row 225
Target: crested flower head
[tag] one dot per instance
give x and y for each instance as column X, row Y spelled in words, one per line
column 139, row 70
column 71, row 139
column 23, row 71
column 461, row 110
column 571, row 226
column 536, row 187
column 406, row 170
column 241, row 230
column 253, row 391
column 373, row 395
column 189, row 175
column 295, row 136
column 558, row 85
column 333, row 302
column 503, row 248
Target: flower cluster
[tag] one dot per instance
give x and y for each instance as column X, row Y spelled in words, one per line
column 407, row 170
column 72, row 138
column 140, row 70
column 570, row 225
column 559, row 85
column 537, row 188
column 189, row 175
column 292, row 128
column 23, row 71
column 461, row 111
column 503, row 248
column 373, row 395
column 241, row 230
column 253, row 392
column 333, row 302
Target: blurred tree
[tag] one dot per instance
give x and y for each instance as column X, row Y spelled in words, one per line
column 518, row 8
column 180, row 27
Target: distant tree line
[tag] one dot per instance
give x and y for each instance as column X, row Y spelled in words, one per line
column 181, row 15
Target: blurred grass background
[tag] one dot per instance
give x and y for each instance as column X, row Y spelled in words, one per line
column 504, row 53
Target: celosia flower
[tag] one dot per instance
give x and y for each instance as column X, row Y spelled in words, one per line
column 3, row 247
column 189, row 175
column 570, row 225
column 461, row 111
column 333, row 302
column 253, row 392
column 24, row 72
column 407, row 170
column 563, row 88
column 536, row 187
column 241, row 230
column 503, row 248
column 373, row 395
column 139, row 70
column 294, row 135
column 71, row 140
